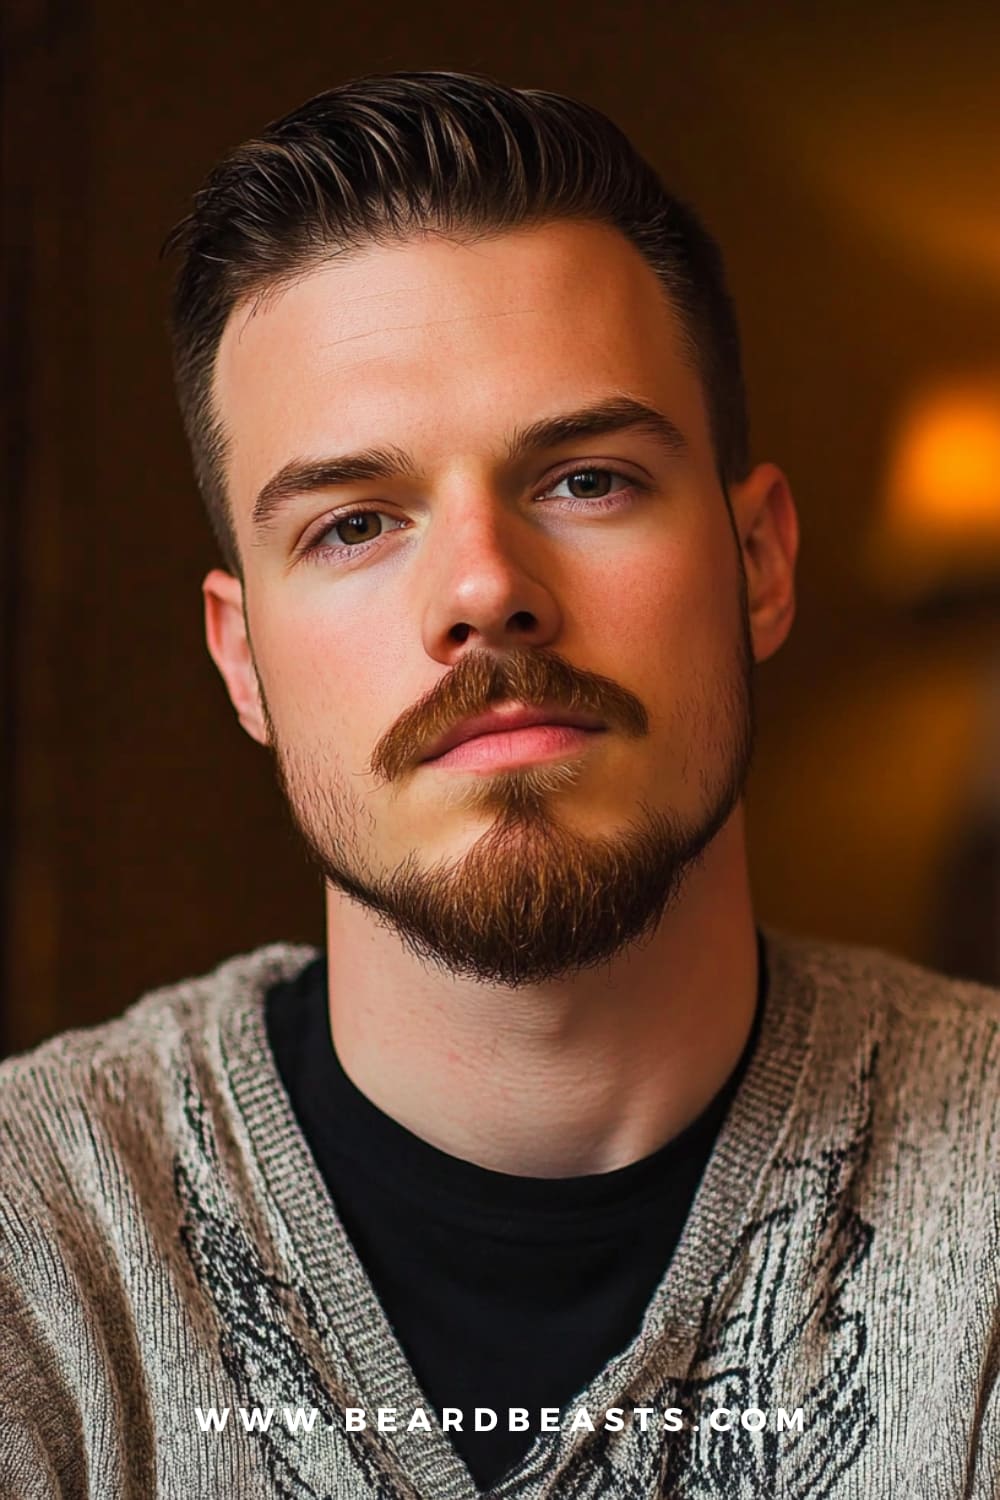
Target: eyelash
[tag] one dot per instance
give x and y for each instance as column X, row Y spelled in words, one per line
column 315, row 551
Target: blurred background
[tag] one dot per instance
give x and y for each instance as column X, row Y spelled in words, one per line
column 848, row 158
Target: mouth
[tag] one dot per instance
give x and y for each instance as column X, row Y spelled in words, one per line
column 513, row 734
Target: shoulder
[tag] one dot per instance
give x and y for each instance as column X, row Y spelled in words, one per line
column 95, row 1296
column 924, row 1047
column 909, row 1002
column 74, row 1107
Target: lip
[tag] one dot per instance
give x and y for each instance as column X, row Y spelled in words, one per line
column 502, row 719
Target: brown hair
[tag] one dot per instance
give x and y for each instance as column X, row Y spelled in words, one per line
column 380, row 158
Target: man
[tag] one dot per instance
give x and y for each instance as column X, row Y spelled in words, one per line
column 552, row 1173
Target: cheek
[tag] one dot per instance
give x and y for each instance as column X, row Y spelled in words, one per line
column 324, row 676
column 669, row 615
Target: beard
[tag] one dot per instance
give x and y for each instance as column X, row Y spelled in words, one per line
column 531, row 900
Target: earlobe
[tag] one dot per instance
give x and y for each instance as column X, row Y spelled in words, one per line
column 229, row 647
column 768, row 529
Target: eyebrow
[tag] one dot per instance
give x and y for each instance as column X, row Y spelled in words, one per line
column 305, row 476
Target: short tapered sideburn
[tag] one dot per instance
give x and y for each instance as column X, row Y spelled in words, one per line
column 380, row 159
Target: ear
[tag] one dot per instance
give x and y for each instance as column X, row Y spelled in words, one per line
column 768, row 530
column 229, row 645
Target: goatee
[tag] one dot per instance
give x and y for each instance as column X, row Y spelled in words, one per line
column 531, row 900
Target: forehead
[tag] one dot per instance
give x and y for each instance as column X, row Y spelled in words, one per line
column 445, row 344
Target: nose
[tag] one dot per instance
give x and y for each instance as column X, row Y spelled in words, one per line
column 485, row 582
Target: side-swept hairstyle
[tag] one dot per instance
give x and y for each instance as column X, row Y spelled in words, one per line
column 380, row 158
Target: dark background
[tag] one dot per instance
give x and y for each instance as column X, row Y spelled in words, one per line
column 847, row 160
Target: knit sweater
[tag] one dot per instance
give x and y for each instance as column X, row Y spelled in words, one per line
column 174, row 1273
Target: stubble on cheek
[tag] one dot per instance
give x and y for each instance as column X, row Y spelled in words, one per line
column 328, row 812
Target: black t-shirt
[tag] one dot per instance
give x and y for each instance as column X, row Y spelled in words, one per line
column 502, row 1290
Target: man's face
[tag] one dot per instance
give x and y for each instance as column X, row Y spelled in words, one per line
column 494, row 558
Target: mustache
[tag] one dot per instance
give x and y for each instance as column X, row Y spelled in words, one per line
column 532, row 676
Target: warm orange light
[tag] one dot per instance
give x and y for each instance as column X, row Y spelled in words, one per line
column 940, row 526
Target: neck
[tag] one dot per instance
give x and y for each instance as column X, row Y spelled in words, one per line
column 577, row 1076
